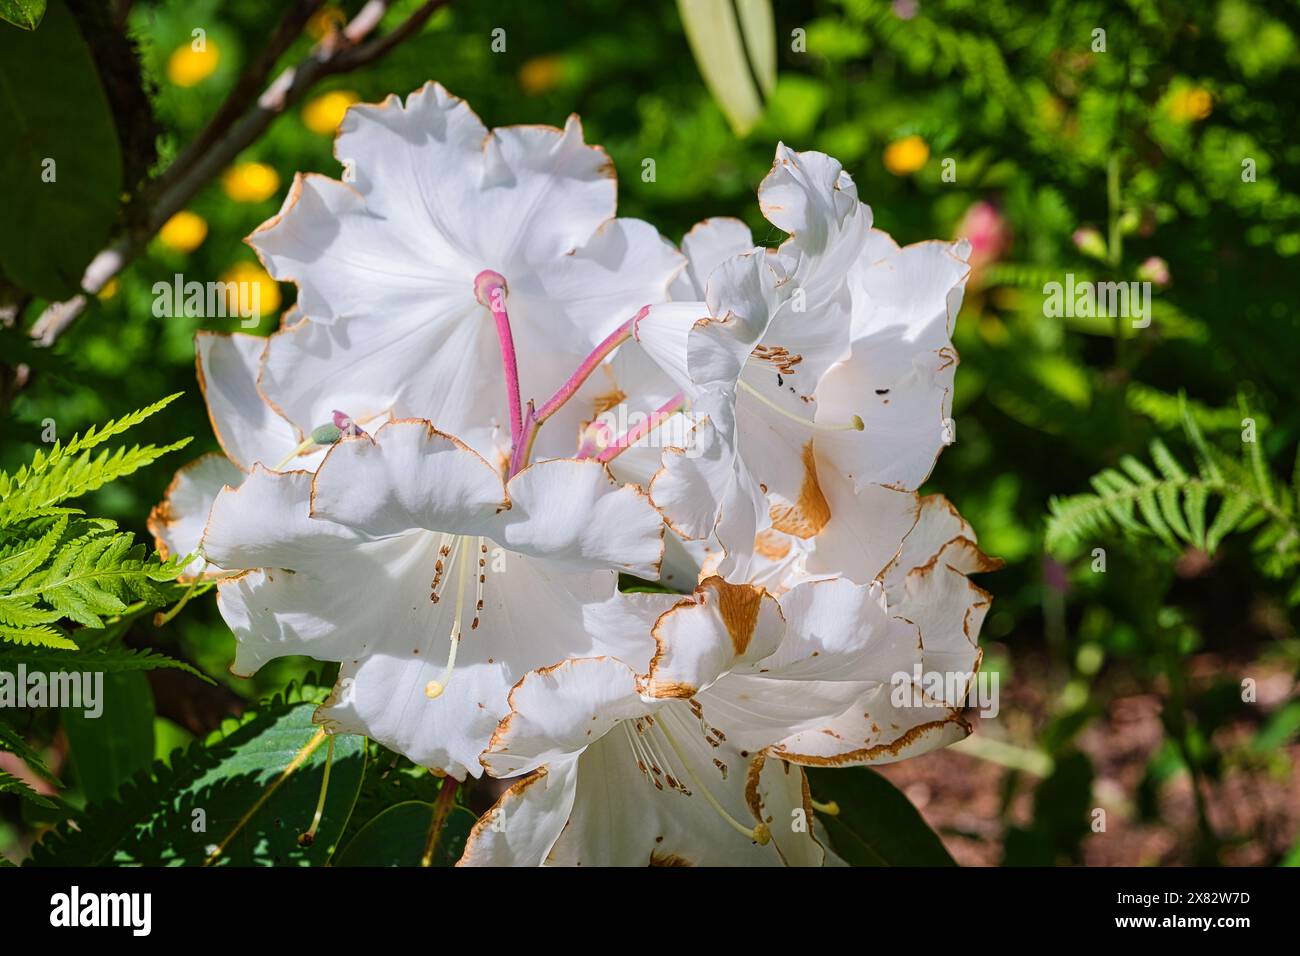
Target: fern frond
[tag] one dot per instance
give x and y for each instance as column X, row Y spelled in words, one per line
column 12, row 741
column 1172, row 504
column 11, row 784
column 95, row 435
column 42, row 635
column 109, row 660
column 74, row 476
column 57, row 564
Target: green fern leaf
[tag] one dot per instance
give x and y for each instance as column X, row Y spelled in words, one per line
column 11, row 784
column 109, row 660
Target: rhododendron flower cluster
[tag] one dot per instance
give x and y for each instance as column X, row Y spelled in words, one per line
column 636, row 529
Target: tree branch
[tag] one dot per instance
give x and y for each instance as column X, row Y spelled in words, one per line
column 340, row 52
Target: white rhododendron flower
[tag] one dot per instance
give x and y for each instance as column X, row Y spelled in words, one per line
column 387, row 265
column 435, row 584
column 500, row 398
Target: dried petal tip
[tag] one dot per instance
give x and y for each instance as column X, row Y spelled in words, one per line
column 485, row 283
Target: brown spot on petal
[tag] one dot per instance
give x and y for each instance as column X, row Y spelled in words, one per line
column 771, row 545
column 811, row 513
column 738, row 606
column 668, row 859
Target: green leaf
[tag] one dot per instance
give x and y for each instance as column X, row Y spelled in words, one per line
column 398, row 837
column 11, row 784
column 247, row 793
column 110, row 660
column 26, row 14
column 61, row 166
column 112, row 747
column 13, row 742
column 876, row 825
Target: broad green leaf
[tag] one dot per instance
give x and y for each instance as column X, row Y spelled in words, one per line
column 399, row 836
column 876, row 825
column 22, row 13
column 61, row 165
column 112, row 747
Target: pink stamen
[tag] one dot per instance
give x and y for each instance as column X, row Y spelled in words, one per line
column 490, row 290
column 535, row 419
column 633, row 435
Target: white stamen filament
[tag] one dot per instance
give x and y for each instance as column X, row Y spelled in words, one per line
column 853, row 425
column 434, row 688
column 760, row 833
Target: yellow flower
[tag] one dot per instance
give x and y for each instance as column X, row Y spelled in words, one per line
column 110, row 289
column 905, row 156
column 1191, row 104
column 324, row 113
column 183, row 232
column 540, row 74
column 249, row 276
column 250, row 182
column 188, row 66
column 324, row 21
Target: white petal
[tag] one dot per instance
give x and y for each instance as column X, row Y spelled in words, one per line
column 702, row 490
column 443, row 366
column 721, row 627
column 247, row 428
column 556, row 712
column 531, row 618
column 416, row 163
column 866, row 528
column 664, row 333
column 624, row 265
column 177, row 522
column 409, row 475
column 266, row 523
column 706, row 246
column 339, row 252
column 942, row 536
column 620, row 818
column 522, row 826
column 576, row 515
column 807, row 194
column 331, row 610
column 544, row 192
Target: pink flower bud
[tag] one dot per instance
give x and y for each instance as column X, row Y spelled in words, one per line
column 1154, row 270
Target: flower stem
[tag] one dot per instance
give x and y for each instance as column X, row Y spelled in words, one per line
column 633, row 435
column 535, row 418
column 442, row 808
column 490, row 290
